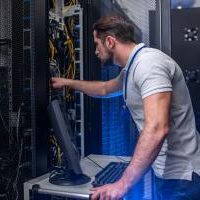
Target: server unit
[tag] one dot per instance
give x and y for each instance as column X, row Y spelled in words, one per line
column 176, row 32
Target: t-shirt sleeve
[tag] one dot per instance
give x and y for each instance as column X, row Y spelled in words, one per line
column 120, row 77
column 152, row 78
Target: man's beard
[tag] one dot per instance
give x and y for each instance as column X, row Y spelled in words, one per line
column 109, row 60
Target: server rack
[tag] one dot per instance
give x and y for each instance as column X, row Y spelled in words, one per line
column 15, row 168
column 26, row 82
column 176, row 32
column 66, row 61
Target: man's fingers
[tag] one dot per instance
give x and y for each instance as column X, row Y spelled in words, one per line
column 96, row 193
column 95, row 196
column 95, row 189
column 53, row 79
column 56, row 83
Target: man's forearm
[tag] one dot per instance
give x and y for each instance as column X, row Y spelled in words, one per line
column 147, row 149
column 91, row 88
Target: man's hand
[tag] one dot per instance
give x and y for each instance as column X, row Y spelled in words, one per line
column 113, row 191
column 58, row 83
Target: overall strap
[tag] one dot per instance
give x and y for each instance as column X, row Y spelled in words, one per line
column 127, row 73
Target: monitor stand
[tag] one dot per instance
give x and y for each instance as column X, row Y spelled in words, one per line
column 67, row 177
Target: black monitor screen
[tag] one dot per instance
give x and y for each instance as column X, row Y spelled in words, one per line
column 61, row 126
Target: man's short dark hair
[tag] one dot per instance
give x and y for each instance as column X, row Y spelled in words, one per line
column 115, row 25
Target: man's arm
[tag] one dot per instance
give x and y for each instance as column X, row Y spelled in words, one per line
column 156, row 128
column 156, row 111
column 91, row 88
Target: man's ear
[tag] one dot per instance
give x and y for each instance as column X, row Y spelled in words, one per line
column 110, row 42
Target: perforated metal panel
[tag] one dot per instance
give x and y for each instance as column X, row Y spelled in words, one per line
column 197, row 3
column 138, row 12
column 5, row 22
column 5, row 64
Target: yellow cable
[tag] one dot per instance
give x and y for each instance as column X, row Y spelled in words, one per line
column 52, row 49
column 59, row 155
column 54, row 3
column 71, row 68
column 59, row 73
column 66, row 8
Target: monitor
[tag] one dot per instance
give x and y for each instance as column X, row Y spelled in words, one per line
column 72, row 174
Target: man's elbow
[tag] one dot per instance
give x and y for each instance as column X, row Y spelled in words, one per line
column 159, row 130
column 162, row 131
column 103, row 90
column 165, row 131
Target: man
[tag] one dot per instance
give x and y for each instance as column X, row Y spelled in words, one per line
column 157, row 97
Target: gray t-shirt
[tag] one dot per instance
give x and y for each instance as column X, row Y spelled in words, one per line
column 152, row 72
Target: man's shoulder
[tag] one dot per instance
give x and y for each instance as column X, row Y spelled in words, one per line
column 154, row 59
column 153, row 54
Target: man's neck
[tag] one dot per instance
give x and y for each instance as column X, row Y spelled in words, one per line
column 123, row 52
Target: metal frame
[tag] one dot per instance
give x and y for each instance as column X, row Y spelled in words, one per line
column 39, row 86
column 163, row 25
column 77, row 10
column 10, row 105
column 81, row 78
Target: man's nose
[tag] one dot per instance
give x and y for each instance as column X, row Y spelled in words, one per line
column 96, row 52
